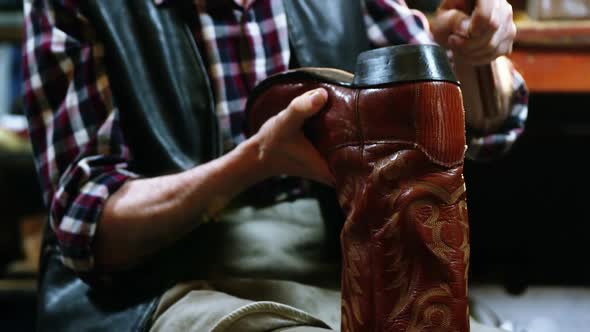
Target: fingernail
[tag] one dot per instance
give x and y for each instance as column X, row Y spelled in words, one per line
column 455, row 41
column 317, row 97
column 464, row 28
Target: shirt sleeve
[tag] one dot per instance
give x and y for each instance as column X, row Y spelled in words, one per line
column 391, row 22
column 79, row 150
column 486, row 148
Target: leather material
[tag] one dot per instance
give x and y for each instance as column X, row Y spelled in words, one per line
column 397, row 152
column 404, row 63
column 159, row 82
column 66, row 303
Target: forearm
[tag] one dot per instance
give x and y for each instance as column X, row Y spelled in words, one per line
column 146, row 215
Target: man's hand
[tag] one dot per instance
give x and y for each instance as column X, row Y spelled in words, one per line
column 476, row 38
column 145, row 215
column 283, row 148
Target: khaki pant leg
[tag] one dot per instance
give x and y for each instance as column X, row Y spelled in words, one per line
column 209, row 310
column 475, row 327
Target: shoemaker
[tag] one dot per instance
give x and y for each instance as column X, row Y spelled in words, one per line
column 163, row 214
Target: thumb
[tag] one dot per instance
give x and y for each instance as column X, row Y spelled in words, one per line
column 458, row 23
column 317, row 168
column 450, row 22
column 305, row 106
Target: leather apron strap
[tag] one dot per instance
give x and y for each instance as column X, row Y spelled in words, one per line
column 159, row 82
column 326, row 33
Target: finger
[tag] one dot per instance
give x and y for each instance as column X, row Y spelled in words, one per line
column 482, row 59
column 314, row 166
column 507, row 30
column 483, row 19
column 319, row 171
column 474, row 60
column 456, row 42
column 454, row 22
column 501, row 42
column 323, row 175
column 477, row 42
column 473, row 45
column 477, row 46
column 505, row 48
column 509, row 35
column 494, row 47
column 305, row 106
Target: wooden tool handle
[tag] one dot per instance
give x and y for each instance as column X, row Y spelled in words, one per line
column 485, row 78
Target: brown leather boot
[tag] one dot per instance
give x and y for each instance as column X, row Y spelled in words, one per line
column 394, row 137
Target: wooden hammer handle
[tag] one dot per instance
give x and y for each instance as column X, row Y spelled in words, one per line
column 485, row 78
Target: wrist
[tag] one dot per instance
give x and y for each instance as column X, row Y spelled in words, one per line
column 256, row 151
column 250, row 161
column 225, row 177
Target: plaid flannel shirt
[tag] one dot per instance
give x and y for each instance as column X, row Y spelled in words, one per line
column 79, row 148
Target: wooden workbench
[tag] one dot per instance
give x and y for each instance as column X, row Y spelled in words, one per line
column 553, row 56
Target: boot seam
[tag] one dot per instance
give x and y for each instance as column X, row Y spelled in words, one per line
column 411, row 145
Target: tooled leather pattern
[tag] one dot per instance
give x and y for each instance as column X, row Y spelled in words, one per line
column 397, row 155
column 405, row 242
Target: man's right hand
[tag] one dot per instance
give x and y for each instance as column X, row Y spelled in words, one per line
column 478, row 37
column 281, row 146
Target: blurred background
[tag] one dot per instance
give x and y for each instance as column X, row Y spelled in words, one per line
column 21, row 208
column 530, row 222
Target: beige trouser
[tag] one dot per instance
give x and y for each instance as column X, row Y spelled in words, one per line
column 202, row 306
column 198, row 307
column 231, row 302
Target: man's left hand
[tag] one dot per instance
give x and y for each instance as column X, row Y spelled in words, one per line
column 478, row 37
